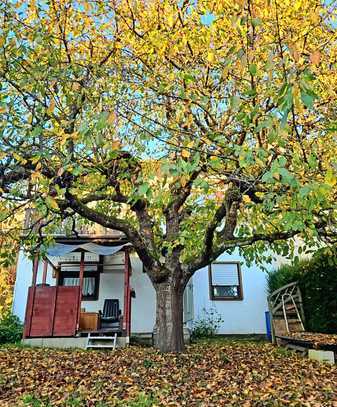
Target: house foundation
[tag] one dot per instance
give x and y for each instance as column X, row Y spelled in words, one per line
column 65, row 343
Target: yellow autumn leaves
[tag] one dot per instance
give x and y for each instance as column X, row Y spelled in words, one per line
column 7, row 276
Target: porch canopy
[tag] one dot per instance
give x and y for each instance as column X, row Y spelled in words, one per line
column 60, row 249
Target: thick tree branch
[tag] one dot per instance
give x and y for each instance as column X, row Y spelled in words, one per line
column 174, row 216
column 228, row 209
column 146, row 224
column 236, row 243
column 111, row 222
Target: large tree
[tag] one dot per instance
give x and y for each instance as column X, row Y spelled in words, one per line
column 194, row 127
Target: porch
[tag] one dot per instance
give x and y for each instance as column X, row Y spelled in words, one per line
column 82, row 290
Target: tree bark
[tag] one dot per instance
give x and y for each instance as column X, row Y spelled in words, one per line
column 169, row 335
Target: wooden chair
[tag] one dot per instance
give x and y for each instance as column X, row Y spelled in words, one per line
column 111, row 316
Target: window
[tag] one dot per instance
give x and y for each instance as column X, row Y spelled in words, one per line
column 225, row 281
column 69, row 276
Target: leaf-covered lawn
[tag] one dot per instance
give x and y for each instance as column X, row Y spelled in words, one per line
column 208, row 374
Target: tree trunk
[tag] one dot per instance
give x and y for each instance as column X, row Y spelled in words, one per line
column 169, row 317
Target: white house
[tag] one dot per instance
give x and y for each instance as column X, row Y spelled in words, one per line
column 47, row 294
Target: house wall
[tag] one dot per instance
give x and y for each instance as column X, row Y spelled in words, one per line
column 245, row 316
column 240, row 317
column 143, row 307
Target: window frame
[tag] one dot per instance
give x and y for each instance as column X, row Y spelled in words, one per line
column 74, row 274
column 211, row 286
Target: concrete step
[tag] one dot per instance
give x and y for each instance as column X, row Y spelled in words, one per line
column 101, row 346
column 102, row 338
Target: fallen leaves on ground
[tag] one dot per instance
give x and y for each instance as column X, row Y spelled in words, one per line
column 318, row 340
column 207, row 374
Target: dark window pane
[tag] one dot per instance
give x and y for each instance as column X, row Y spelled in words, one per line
column 226, row 291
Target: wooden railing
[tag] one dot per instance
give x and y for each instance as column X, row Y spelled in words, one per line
column 286, row 308
column 275, row 298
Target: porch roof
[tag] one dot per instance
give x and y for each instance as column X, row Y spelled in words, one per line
column 60, row 249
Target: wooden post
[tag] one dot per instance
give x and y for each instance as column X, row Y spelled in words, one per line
column 127, row 295
column 35, row 270
column 33, row 291
column 81, row 287
column 45, row 270
column 129, row 319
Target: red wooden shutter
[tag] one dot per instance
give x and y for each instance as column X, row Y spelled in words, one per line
column 42, row 313
column 66, row 308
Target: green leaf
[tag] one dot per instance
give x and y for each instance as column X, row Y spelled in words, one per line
column 253, row 69
column 282, row 91
column 312, row 161
column 234, row 102
column 268, row 178
column 202, row 184
column 256, row 22
column 36, row 131
column 286, row 100
column 189, row 78
column 102, row 120
column 304, row 191
column 144, row 188
column 307, row 99
column 282, row 161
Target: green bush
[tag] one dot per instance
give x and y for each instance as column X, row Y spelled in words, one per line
column 207, row 325
column 317, row 280
column 10, row 329
column 285, row 274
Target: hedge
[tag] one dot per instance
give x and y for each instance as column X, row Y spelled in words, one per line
column 317, row 280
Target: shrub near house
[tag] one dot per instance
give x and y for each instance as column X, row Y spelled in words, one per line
column 317, row 280
column 207, row 325
column 10, row 329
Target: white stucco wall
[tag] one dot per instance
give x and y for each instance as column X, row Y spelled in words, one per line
column 143, row 307
column 246, row 316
